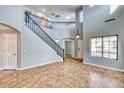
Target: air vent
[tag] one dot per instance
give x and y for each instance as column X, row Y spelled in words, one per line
column 109, row 20
column 55, row 15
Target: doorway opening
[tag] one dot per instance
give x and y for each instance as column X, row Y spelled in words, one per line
column 69, row 47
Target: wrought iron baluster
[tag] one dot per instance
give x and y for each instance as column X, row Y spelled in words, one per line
column 36, row 28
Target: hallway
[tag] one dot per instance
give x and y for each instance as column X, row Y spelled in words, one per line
column 62, row 74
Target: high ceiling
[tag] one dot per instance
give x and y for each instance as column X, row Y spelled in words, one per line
column 59, row 13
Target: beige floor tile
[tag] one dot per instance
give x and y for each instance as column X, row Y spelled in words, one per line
column 70, row 74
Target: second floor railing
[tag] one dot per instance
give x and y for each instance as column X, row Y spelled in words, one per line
column 41, row 21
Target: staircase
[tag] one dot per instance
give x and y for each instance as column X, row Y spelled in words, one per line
column 35, row 26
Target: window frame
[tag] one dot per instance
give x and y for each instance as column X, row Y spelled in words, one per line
column 81, row 16
column 96, row 47
column 102, row 46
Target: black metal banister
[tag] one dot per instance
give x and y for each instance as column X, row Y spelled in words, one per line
column 36, row 28
column 44, row 32
column 39, row 17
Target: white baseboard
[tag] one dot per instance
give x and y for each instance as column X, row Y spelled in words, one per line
column 104, row 67
column 1, row 69
column 8, row 68
column 24, row 68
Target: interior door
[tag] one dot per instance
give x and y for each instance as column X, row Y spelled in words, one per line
column 10, row 51
column 1, row 51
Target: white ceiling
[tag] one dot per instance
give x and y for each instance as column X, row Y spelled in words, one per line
column 62, row 10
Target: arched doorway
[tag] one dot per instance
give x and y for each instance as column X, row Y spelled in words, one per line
column 8, row 47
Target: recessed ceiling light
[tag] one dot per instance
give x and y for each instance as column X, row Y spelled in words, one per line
column 57, row 41
column 43, row 10
column 68, row 17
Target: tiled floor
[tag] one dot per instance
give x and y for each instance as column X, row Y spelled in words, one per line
column 62, row 74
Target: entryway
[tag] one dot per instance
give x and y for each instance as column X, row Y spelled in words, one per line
column 69, row 47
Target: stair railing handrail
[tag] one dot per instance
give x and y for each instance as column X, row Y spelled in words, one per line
column 43, row 19
column 39, row 17
column 43, row 31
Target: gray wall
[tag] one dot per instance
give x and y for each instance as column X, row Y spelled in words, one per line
column 12, row 15
column 94, row 25
column 35, row 51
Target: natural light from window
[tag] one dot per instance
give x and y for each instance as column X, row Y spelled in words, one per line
column 105, row 46
column 81, row 16
column 113, row 8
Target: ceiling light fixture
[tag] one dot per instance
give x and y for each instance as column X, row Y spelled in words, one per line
column 68, row 17
column 77, row 35
column 57, row 41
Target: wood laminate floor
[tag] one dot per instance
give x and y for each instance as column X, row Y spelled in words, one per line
column 62, row 74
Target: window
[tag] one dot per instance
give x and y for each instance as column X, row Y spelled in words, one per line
column 113, row 8
column 105, row 46
column 110, row 47
column 96, row 47
column 81, row 16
